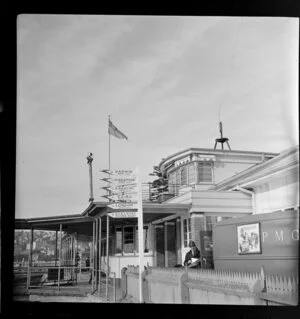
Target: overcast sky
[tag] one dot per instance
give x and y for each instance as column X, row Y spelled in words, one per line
column 163, row 80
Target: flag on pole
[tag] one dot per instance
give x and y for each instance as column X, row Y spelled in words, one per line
column 112, row 130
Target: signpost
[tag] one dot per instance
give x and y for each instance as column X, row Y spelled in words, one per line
column 125, row 194
column 140, row 233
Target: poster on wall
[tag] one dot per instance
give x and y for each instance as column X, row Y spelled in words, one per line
column 249, row 239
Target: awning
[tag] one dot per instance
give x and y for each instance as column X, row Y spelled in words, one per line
column 82, row 223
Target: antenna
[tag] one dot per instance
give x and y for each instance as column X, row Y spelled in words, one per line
column 221, row 140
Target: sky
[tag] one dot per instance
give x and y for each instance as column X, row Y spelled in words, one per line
column 166, row 81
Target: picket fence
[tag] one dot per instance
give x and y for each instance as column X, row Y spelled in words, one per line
column 256, row 285
column 252, row 281
column 282, row 285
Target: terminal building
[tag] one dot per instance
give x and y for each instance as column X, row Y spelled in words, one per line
column 212, row 194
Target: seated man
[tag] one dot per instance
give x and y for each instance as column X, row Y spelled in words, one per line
column 192, row 257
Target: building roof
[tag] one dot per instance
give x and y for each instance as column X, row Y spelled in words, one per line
column 151, row 212
column 286, row 159
column 208, row 151
column 51, row 222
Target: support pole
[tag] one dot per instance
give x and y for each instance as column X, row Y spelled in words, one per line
column 140, row 234
column 100, row 236
column 89, row 161
column 30, row 259
column 96, row 252
column 93, row 256
column 75, row 256
column 107, row 258
column 55, row 248
column 166, row 244
column 108, row 143
column 59, row 262
column 72, row 256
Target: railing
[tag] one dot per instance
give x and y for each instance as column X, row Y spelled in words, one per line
column 104, row 283
column 40, row 276
column 154, row 195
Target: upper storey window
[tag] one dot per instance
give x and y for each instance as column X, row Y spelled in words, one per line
column 205, row 172
column 197, row 172
column 184, row 176
column 192, row 175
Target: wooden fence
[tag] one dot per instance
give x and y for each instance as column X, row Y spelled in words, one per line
column 179, row 285
column 281, row 290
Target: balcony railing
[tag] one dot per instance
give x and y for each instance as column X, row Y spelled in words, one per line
column 159, row 195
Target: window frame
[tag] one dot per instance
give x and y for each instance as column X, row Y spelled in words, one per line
column 188, row 233
column 211, row 172
column 184, row 169
column 123, row 240
column 134, row 252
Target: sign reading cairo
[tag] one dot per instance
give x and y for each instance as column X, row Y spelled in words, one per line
column 123, row 197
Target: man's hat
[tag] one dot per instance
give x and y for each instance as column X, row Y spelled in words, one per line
column 192, row 244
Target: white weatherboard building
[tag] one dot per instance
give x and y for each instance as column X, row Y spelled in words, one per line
column 206, row 186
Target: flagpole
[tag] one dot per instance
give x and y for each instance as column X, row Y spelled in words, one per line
column 108, row 144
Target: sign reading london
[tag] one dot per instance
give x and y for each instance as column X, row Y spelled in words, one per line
column 123, row 214
column 122, row 189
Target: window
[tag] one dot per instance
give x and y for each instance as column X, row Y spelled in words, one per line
column 191, row 173
column 119, row 247
column 178, row 177
column 177, row 182
column 172, row 181
column 186, row 231
column 146, row 239
column 128, row 246
column 205, row 173
column 183, row 175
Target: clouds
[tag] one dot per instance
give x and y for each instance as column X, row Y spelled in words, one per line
column 162, row 79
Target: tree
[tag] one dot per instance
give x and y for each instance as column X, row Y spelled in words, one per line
column 159, row 185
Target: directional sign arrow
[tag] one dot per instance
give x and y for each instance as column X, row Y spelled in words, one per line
column 125, row 198
column 107, row 171
column 117, row 180
column 119, row 172
column 119, row 199
column 123, row 205
column 121, row 189
column 106, row 179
